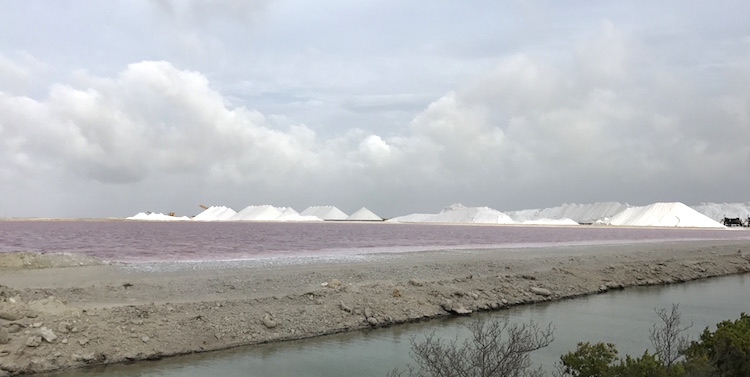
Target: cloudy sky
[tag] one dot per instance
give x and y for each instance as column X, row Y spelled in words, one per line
column 109, row 108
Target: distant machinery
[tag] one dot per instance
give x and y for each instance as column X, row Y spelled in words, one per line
column 735, row 221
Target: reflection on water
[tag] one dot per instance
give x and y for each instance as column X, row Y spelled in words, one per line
column 623, row 318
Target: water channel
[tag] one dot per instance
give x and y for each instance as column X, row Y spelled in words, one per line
column 622, row 317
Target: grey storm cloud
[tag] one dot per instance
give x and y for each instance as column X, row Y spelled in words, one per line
column 613, row 108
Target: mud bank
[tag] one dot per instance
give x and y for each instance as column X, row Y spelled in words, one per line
column 86, row 313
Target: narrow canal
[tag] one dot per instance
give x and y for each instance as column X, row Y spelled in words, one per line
column 623, row 318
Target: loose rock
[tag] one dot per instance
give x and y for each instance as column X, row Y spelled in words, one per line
column 10, row 316
column 416, row 282
column 64, row 327
column 87, row 358
column 4, row 336
column 47, row 334
column 541, row 291
column 34, row 341
column 269, row 322
column 455, row 307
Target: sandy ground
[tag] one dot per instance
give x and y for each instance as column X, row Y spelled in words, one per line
column 65, row 311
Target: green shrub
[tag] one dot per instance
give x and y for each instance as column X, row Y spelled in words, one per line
column 727, row 350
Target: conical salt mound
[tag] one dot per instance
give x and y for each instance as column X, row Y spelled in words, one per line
column 289, row 214
column 257, row 213
column 580, row 213
column 664, row 214
column 458, row 214
column 325, row 213
column 364, row 214
column 215, row 214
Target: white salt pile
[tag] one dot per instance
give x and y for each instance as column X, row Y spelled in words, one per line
column 266, row 213
column 563, row 221
column 257, row 213
column 215, row 213
column 364, row 214
column 289, row 214
column 664, row 214
column 579, row 213
column 325, row 213
column 457, row 213
column 718, row 211
column 150, row 216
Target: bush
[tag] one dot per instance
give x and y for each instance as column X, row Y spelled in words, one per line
column 600, row 360
column 726, row 351
column 589, row 360
column 496, row 348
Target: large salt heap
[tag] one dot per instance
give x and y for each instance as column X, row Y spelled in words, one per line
column 215, row 213
column 718, row 211
column 364, row 214
column 579, row 213
column 257, row 213
column 325, row 213
column 664, row 214
column 459, row 214
column 289, row 214
column 544, row 221
column 150, row 216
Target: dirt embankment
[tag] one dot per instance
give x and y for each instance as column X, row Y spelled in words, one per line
column 67, row 317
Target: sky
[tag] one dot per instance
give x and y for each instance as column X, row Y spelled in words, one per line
column 110, row 108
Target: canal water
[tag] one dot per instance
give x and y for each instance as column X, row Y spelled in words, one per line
column 622, row 317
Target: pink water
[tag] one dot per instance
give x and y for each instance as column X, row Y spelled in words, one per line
column 132, row 241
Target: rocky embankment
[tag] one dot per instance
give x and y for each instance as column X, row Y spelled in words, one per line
column 135, row 316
